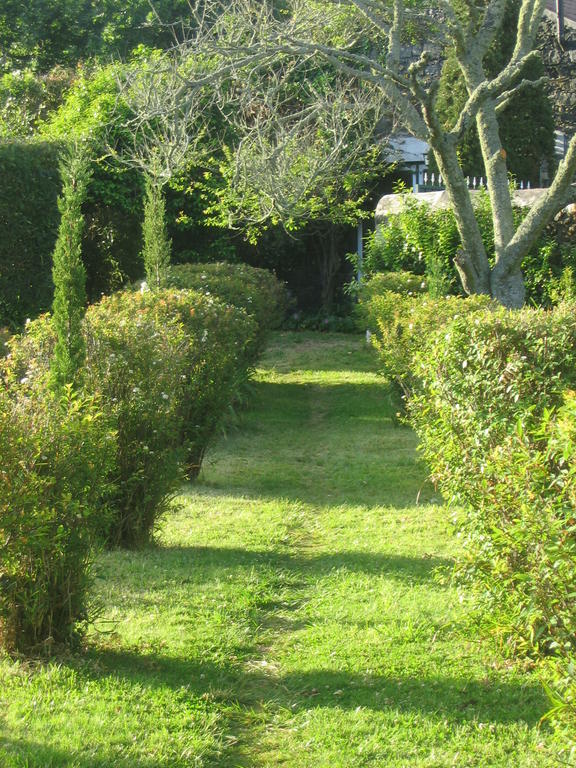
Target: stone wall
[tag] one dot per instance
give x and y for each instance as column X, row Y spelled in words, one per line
column 390, row 204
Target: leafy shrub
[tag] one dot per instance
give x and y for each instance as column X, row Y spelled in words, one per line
column 29, row 194
column 4, row 336
column 424, row 241
column 56, row 455
column 498, row 433
column 550, row 270
column 403, row 283
column 190, row 384
column 136, row 358
column 481, row 375
column 166, row 365
column 28, row 226
column 403, row 325
column 254, row 290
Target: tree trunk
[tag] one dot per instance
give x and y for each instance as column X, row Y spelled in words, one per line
column 471, row 261
column 508, row 287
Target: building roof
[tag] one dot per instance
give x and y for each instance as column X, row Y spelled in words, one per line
column 569, row 8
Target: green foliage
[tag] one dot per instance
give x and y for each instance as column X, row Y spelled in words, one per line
column 156, row 245
column 29, row 220
column 43, row 33
column 403, row 325
column 380, row 283
column 166, row 366
column 94, row 110
column 21, row 104
column 550, row 269
column 56, row 455
column 497, row 430
column 136, row 360
column 28, row 227
column 423, row 240
column 254, row 290
column 68, row 272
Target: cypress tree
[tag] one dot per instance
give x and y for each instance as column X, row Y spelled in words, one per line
column 68, row 272
column 157, row 246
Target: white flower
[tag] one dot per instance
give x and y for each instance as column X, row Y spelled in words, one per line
column 165, row 396
column 143, row 286
column 24, row 380
column 204, row 335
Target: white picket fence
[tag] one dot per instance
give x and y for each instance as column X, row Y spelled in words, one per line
column 435, row 183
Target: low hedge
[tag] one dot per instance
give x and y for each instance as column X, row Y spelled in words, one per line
column 481, row 376
column 495, row 411
column 403, row 324
column 257, row 291
column 166, row 366
column 56, row 455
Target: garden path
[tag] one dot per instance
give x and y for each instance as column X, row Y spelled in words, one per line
column 359, row 659
column 291, row 615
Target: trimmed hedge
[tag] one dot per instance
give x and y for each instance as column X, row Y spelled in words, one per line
column 257, row 291
column 28, row 226
column 167, row 366
column 56, row 455
column 29, row 219
column 403, row 324
column 495, row 411
column 491, row 394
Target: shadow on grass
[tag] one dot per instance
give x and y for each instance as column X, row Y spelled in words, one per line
column 411, row 570
column 456, row 699
column 325, row 445
column 237, row 692
column 22, row 753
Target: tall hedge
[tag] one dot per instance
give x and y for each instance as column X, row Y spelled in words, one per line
column 29, row 220
column 28, row 227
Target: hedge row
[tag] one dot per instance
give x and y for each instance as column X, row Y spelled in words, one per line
column 29, row 219
column 491, row 394
column 161, row 372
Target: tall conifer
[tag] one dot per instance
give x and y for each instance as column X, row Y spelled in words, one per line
column 68, row 272
column 157, row 246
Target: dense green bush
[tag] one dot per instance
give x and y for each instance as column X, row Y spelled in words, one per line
column 380, row 283
column 254, row 290
column 29, row 219
column 486, row 412
column 136, row 359
column 402, row 325
column 166, row 365
column 483, row 374
column 56, row 456
column 424, row 241
column 28, row 226
column 186, row 373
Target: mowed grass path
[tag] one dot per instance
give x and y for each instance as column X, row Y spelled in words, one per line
column 291, row 615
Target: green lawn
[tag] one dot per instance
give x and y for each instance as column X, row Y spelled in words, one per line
column 291, row 615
